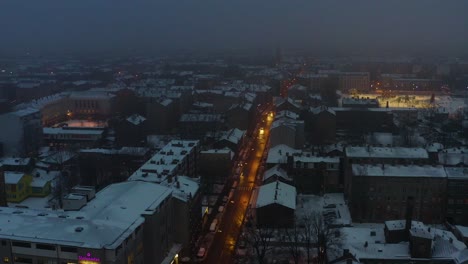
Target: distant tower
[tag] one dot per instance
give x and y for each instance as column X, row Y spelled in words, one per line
column 3, row 199
column 278, row 56
column 409, row 214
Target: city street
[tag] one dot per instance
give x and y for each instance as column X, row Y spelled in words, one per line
column 222, row 248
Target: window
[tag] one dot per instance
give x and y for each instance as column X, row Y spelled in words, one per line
column 6, row 259
column 21, row 244
column 68, row 249
column 45, row 247
column 23, row 260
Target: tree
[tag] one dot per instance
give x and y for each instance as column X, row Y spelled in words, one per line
column 260, row 241
column 319, row 233
column 291, row 239
column 64, row 181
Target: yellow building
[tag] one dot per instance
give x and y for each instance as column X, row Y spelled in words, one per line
column 17, row 185
column 40, row 188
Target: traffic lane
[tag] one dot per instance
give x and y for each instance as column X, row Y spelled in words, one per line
column 235, row 229
column 222, row 248
column 224, row 242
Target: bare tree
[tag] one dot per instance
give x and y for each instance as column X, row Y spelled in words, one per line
column 319, row 234
column 260, row 241
column 291, row 240
column 64, row 181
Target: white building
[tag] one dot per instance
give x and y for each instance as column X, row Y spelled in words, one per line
column 21, row 131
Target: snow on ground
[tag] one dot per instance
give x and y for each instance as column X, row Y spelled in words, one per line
column 332, row 206
column 38, row 203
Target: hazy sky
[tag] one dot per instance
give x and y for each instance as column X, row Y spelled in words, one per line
column 158, row 26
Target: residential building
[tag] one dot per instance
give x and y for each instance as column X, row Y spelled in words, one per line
column 372, row 243
column 100, row 167
column 131, row 131
column 161, row 114
column 215, row 165
column 23, row 134
column 17, row 186
column 353, row 80
column 231, row 139
column 240, row 116
column 275, row 205
column 129, row 222
column 279, row 155
column 377, row 155
column 276, row 173
column 321, row 125
column 380, row 192
column 63, row 137
column 178, row 157
column 457, row 196
column 20, row 185
column 286, row 104
column 315, row 174
column 287, row 132
column 196, row 126
column 360, row 102
column 359, row 121
column 94, row 104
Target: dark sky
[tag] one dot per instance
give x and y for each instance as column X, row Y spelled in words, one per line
column 355, row 26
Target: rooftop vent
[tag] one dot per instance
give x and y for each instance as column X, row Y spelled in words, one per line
column 79, row 229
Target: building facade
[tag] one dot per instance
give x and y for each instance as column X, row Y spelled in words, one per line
column 380, row 192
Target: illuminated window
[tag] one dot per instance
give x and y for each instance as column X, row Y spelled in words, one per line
column 6, row 259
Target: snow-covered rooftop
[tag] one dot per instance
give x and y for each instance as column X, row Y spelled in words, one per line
column 183, row 187
column 309, row 158
column 12, row 177
column 320, row 109
column 64, row 131
column 454, row 156
column 384, row 152
column 278, row 153
column 276, row 171
column 277, row 193
column 331, row 205
column 164, row 163
column 367, row 241
column 286, row 114
column 460, row 173
column 463, row 230
column 200, row 118
column 234, row 135
column 105, row 222
column 136, row 119
column 10, row 161
column 398, row 170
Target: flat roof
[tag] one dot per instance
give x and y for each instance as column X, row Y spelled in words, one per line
column 386, row 152
column 77, row 131
column 398, row 171
column 106, row 221
column 165, row 162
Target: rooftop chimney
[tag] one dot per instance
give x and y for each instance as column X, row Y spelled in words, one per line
column 409, row 214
